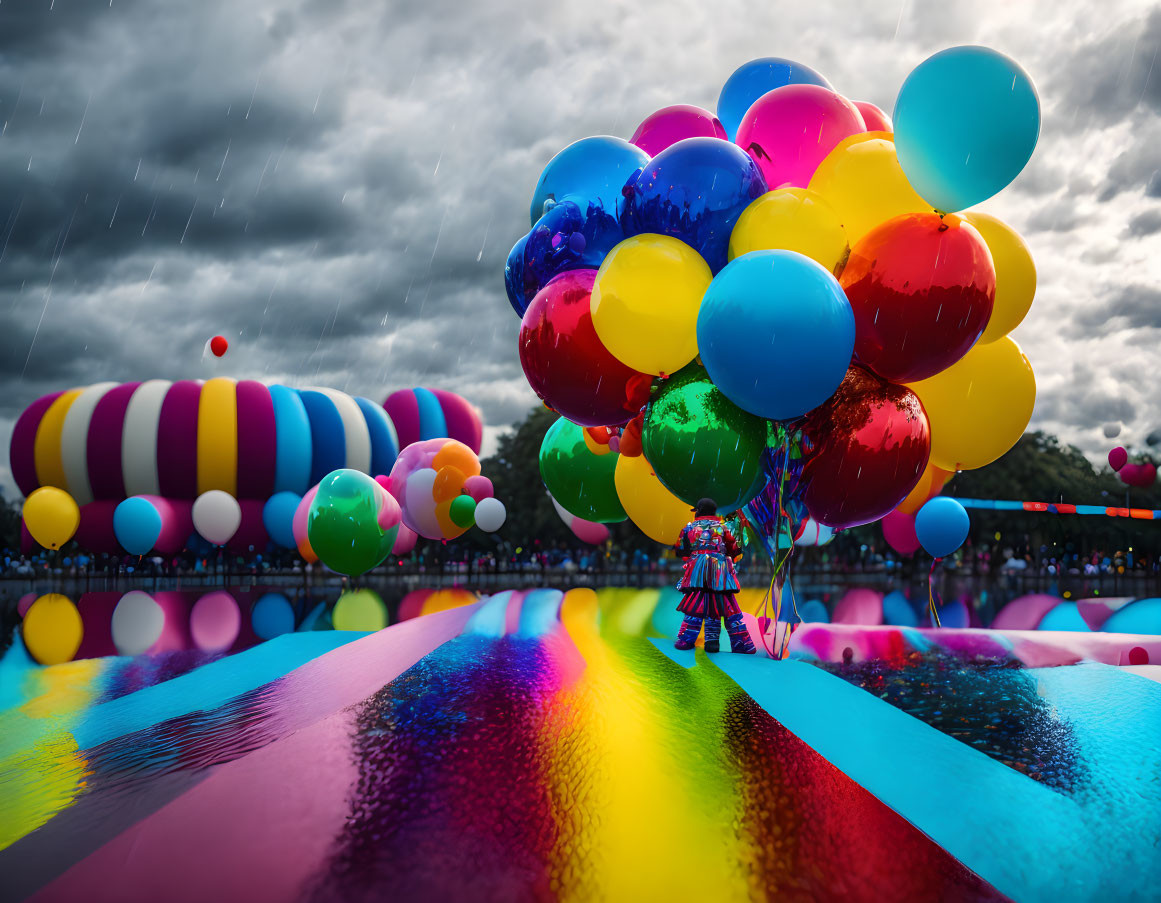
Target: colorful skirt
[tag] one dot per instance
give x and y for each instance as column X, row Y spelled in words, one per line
column 704, row 603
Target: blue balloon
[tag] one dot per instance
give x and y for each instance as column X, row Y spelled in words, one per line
column 516, row 280
column 278, row 518
column 136, row 524
column 776, row 333
column 898, row 612
column 590, row 171
column 753, row 79
column 966, row 122
column 567, row 237
column 942, row 526
column 272, row 616
column 694, row 190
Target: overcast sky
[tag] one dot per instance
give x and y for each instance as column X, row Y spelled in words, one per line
column 335, row 185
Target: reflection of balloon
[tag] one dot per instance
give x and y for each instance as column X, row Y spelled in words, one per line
column 591, row 171
column 565, row 362
column 966, row 122
column 788, row 131
column 701, row 445
column 271, row 616
column 1111, row 430
column 865, row 448
column 656, row 511
column 672, row 124
column 584, row 530
column 775, row 332
column 1015, row 274
column 899, row 531
column 695, row 191
column 921, row 287
column 360, row 609
column 580, row 481
column 931, row 483
column 346, row 524
column 490, row 514
column 1118, row 458
column 137, row 623
column 645, row 301
column 862, row 180
column 52, row 629
column 52, row 516
column 216, row 516
column 417, row 414
column 979, row 406
column 941, row 526
column 218, row 345
column 214, row 622
column 876, row 120
column 753, row 79
column 792, row 219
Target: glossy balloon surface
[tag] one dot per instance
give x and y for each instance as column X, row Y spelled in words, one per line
column 675, row 123
column 1015, row 274
column 581, row 482
column 590, row 171
column 344, row 522
column 753, row 79
column 793, row 219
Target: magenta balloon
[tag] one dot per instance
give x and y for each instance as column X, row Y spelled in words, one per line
column 1118, row 458
column 874, row 118
column 405, row 540
column 176, row 523
column 859, row 606
column 790, row 130
column 25, row 602
column 589, row 532
column 479, row 487
column 899, row 531
column 1140, row 475
column 672, row 124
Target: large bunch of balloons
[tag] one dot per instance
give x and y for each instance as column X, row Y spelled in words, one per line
column 787, row 301
column 141, row 467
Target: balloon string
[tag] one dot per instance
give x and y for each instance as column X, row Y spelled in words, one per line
column 931, row 593
column 779, row 513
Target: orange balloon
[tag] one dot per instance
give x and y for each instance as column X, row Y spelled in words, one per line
column 931, row 483
column 449, row 481
column 457, row 455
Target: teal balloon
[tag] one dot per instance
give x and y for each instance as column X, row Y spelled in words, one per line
column 343, row 523
column 702, row 445
column 966, row 122
column 581, row 482
column 463, row 511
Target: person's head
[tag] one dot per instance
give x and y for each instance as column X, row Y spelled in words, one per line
column 706, row 507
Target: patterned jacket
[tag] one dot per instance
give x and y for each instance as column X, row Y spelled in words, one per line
column 709, row 550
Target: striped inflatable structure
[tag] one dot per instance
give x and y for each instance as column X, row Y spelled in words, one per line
column 170, row 442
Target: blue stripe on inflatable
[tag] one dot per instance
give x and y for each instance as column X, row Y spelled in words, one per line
column 384, row 451
column 432, row 424
column 293, row 443
column 328, row 438
column 1090, row 509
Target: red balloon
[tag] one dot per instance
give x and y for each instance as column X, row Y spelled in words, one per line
column 566, row 364
column 922, row 289
column 1118, row 458
column 876, row 119
column 218, row 345
column 864, row 448
column 899, row 531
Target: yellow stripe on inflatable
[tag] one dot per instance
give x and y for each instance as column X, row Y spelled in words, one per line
column 218, row 436
column 46, row 449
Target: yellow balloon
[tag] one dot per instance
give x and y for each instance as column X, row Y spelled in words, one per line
column 593, row 445
column 979, row 406
column 52, row 516
column 862, row 179
column 52, row 629
column 645, row 302
column 1015, row 274
column 657, row 512
column 792, row 219
column 931, row 483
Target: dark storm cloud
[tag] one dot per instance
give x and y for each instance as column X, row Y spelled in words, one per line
column 1144, row 224
column 1133, row 307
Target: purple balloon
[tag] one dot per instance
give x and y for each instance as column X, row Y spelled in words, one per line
column 671, row 124
column 1118, row 458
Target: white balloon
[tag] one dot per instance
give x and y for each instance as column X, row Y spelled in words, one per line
column 137, row 623
column 217, row 516
column 1112, row 430
column 419, row 505
column 490, row 515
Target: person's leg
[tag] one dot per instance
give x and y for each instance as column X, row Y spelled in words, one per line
column 713, row 630
column 687, row 635
column 739, row 637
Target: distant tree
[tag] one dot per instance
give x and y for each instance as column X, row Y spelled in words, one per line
column 9, row 523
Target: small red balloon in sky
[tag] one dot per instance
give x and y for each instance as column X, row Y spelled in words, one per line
column 218, row 345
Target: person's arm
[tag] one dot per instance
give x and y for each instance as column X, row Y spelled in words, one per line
column 682, row 544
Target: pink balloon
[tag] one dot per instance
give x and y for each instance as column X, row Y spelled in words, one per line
column 1140, row 475
column 589, row 532
column 899, row 531
column 1118, row 458
column 25, row 603
column 790, row 130
column 298, row 525
column 875, row 119
column 384, row 480
column 404, row 540
column 479, row 487
column 672, row 124
column 390, row 513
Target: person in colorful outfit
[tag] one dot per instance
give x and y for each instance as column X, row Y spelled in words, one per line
column 708, row 582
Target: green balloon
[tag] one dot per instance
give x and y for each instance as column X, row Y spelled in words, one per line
column 343, row 523
column 579, row 480
column 463, row 511
column 702, row 445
